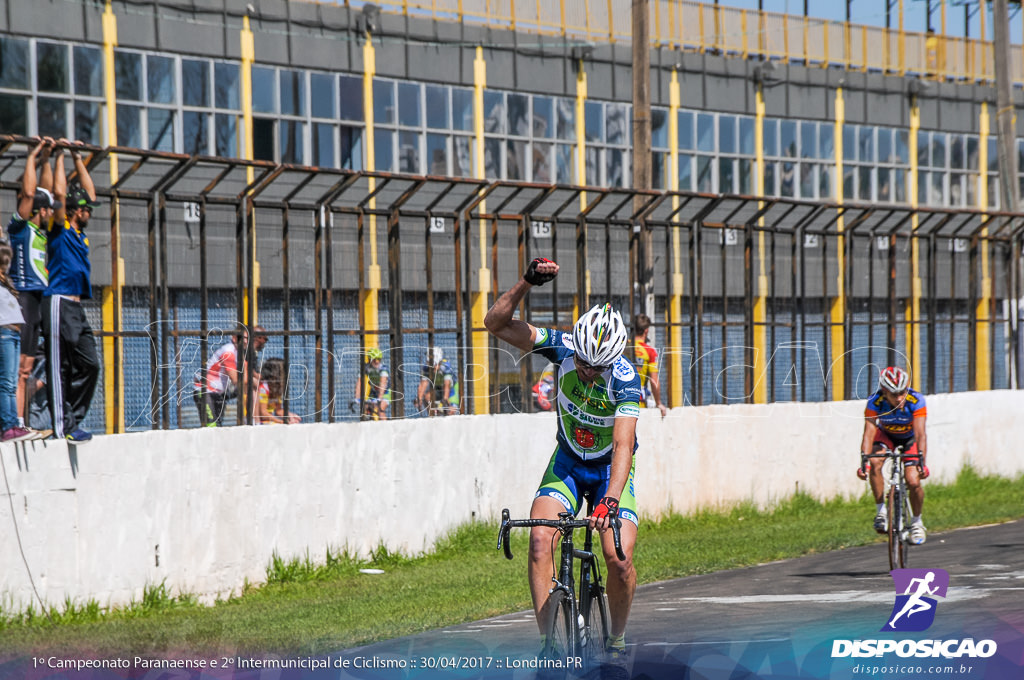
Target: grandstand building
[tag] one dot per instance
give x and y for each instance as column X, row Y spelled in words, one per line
column 827, row 195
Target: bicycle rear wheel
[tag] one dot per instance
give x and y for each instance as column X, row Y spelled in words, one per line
column 595, row 627
column 561, row 627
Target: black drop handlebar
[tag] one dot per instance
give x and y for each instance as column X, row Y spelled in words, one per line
column 564, row 524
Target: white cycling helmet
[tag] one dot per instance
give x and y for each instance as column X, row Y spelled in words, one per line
column 599, row 336
column 893, row 379
column 436, row 355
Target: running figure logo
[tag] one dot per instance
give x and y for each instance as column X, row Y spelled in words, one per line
column 914, row 610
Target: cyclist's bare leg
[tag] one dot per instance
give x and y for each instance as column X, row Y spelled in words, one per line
column 916, row 491
column 621, row 581
column 542, row 547
column 876, row 480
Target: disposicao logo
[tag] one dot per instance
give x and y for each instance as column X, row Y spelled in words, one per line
column 914, row 609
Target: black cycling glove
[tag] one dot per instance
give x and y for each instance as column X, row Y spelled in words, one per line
column 534, row 277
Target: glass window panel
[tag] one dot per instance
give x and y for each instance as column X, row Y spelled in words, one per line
column 494, row 112
column 225, row 135
column 409, row 105
column 746, row 176
column 264, row 89
column 771, row 137
column 127, row 77
column 350, row 98
column 543, row 119
column 808, row 179
column 924, row 187
column 825, row 181
column 771, row 174
column 263, row 138
column 321, row 94
column 566, row 112
column 291, row 139
column 437, row 152
column 13, row 65
column 195, row 82
column 939, row 150
column 972, row 154
column 542, row 163
column 384, row 102
column 617, row 125
column 726, row 134
column 902, row 147
column 52, row 117
column 849, row 181
column 515, row 158
column 885, row 194
column 161, row 129
column 849, row 143
column 956, row 189
column 437, row 108
column 993, row 192
column 747, row 137
column 87, row 122
column 129, row 127
column 160, row 79
column 826, row 141
column 384, row 146
column 937, row 194
column 409, row 152
column 518, row 108
column 923, row 149
column 659, row 170
column 293, row 93
column 88, row 72
column 593, row 168
column 885, row 152
column 52, row 67
column 705, row 132
column 492, row 158
column 564, row 164
column 866, row 144
column 225, row 86
column 808, row 139
column 351, row 147
column 462, row 156
column 685, row 172
column 787, row 139
column 685, row 130
column 864, row 183
column 956, row 152
column 13, row 114
column 787, row 183
column 195, row 133
column 993, row 155
column 594, row 122
column 462, row 109
column 705, row 177
column 659, row 128
column 726, row 175
column 900, row 185
column 615, row 172
column 323, row 141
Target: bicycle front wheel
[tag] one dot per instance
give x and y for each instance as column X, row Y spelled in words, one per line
column 905, row 530
column 898, row 520
column 561, row 627
column 595, row 627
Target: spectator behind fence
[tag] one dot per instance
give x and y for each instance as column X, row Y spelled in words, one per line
column 10, row 340
column 224, row 376
column 439, row 387
column 270, row 404
column 32, row 218
column 647, row 363
column 377, row 388
column 74, row 366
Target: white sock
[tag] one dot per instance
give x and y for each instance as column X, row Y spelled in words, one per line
column 21, row 422
column 916, row 519
column 879, row 507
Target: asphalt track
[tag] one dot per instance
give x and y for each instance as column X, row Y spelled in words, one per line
column 773, row 621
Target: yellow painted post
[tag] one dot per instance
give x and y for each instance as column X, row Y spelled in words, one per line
column 675, row 306
column 611, row 23
column 248, row 54
column 760, row 311
column 902, row 45
column 369, row 296
column 581, row 161
column 479, row 371
column 982, row 330
column 913, row 315
column 113, row 347
column 807, row 41
column 837, row 310
column 743, row 30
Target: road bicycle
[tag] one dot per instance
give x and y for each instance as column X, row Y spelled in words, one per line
column 577, row 625
column 897, row 501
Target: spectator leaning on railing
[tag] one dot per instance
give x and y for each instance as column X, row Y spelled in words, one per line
column 74, row 365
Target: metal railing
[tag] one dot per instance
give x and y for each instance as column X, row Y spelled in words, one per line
column 187, row 249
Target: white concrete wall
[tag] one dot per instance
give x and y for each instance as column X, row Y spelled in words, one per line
column 204, row 509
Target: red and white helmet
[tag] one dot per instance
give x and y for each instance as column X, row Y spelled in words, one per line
column 894, row 380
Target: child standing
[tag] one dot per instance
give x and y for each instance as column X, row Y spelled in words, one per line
column 11, row 320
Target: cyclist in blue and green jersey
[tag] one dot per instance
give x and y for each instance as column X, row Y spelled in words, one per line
column 597, row 402
column 376, row 384
column 27, row 231
column 438, row 385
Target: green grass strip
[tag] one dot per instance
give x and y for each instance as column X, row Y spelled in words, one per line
column 311, row 606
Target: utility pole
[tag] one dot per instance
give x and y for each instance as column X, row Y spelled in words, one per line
column 642, row 149
column 1006, row 117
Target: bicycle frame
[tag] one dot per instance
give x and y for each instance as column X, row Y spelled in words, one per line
column 898, row 504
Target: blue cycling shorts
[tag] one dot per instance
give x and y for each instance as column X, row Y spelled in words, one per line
column 569, row 480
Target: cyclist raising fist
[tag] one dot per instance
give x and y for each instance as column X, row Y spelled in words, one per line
column 895, row 416
column 597, row 397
